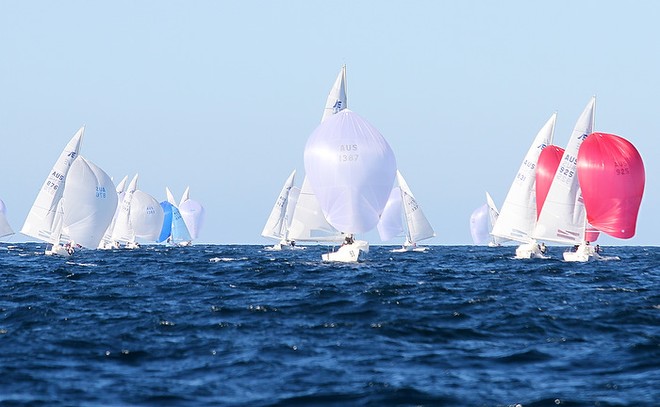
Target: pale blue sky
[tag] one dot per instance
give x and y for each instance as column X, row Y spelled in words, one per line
column 222, row 95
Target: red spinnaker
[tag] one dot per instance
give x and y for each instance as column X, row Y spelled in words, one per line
column 546, row 167
column 611, row 175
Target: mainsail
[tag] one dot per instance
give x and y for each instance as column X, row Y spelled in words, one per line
column 518, row 214
column 562, row 218
column 39, row 223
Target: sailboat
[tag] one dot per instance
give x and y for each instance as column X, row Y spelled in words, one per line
column 5, row 228
column 351, row 169
column 562, row 218
column 518, row 214
column 193, row 214
column 278, row 223
column 482, row 221
column 403, row 205
column 87, row 206
column 174, row 230
column 73, row 204
column 611, row 175
column 40, row 222
column 140, row 217
column 305, row 219
column 107, row 242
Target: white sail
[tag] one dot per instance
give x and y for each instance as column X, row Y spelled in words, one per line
column 5, row 228
column 415, row 225
column 146, row 216
column 518, row 214
column 493, row 215
column 39, row 221
column 337, row 100
column 106, row 241
column 193, row 213
column 351, row 169
column 308, row 223
column 88, row 204
column 277, row 224
column 391, row 220
column 170, row 196
column 562, row 218
column 418, row 226
column 479, row 225
column 123, row 231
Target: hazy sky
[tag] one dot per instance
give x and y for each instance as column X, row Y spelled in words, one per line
column 222, row 96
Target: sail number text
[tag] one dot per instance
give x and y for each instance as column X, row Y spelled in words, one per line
column 101, row 192
column 348, row 152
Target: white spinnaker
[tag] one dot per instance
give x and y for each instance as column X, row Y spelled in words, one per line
column 391, row 220
column 89, row 203
column 562, row 218
column 518, row 214
column 479, row 225
column 193, row 214
column 146, row 216
column 5, row 228
column 39, row 221
column 351, row 169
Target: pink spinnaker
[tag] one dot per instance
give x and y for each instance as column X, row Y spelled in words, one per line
column 611, row 175
column 546, row 167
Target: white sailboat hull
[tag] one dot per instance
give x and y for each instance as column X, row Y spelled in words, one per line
column 59, row 250
column 410, row 248
column 529, row 251
column 349, row 253
column 584, row 253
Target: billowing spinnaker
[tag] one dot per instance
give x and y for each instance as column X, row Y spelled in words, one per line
column 89, row 203
column 5, row 228
column 611, row 175
column 351, row 168
column 146, row 216
column 391, row 221
column 545, row 172
column 193, row 214
column 479, row 225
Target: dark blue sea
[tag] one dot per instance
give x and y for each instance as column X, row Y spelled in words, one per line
column 241, row 326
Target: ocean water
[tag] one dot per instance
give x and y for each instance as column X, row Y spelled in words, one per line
column 222, row 325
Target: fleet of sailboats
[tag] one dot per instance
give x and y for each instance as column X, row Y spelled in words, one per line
column 351, row 186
